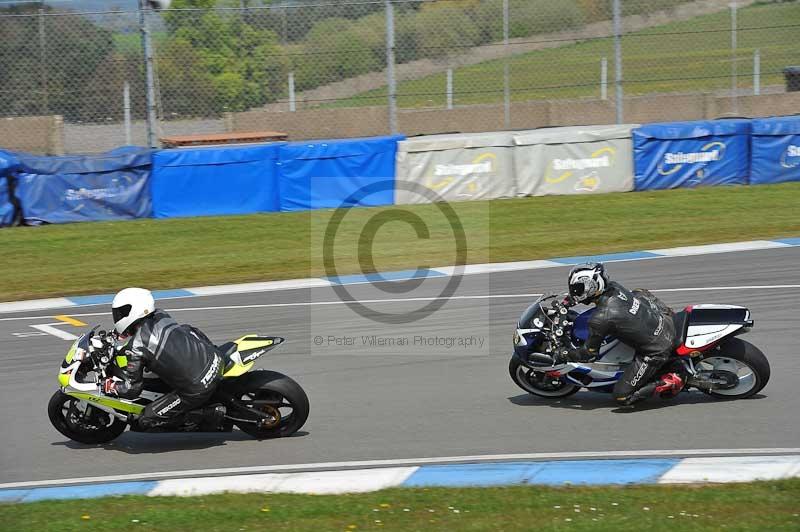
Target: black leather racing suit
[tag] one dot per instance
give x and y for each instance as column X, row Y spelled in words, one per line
column 183, row 357
column 638, row 319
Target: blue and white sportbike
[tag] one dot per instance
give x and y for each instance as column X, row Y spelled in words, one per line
column 707, row 354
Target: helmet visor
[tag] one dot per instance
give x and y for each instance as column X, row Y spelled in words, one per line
column 118, row 313
column 576, row 289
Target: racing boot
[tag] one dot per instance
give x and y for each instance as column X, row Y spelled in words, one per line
column 213, row 418
column 669, row 386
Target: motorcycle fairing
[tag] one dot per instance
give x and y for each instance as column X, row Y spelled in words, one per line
column 123, row 405
column 248, row 348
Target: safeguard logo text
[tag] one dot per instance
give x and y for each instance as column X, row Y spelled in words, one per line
column 674, row 161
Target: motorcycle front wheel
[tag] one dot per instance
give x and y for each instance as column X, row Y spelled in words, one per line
column 80, row 421
column 538, row 383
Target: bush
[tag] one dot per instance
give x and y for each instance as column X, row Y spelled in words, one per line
column 335, row 49
column 528, row 17
column 442, row 29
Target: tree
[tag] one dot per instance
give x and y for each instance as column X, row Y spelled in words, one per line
column 55, row 79
column 238, row 64
column 337, row 49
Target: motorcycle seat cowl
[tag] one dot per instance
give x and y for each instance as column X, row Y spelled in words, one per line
column 227, row 349
column 681, row 321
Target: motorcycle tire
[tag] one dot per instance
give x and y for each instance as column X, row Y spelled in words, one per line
column 269, row 388
column 747, row 354
column 93, row 436
column 521, row 375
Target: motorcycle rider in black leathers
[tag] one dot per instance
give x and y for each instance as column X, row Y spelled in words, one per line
column 636, row 318
column 182, row 356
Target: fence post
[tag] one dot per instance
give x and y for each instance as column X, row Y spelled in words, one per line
column 449, row 88
column 506, row 73
column 292, row 101
column 147, row 48
column 604, row 78
column 757, row 72
column 390, row 77
column 618, row 59
column 734, row 65
column 126, row 110
column 42, row 64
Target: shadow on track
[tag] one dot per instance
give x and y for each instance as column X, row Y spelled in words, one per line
column 588, row 401
column 157, row 443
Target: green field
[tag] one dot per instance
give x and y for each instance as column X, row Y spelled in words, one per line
column 102, row 257
column 743, row 507
column 687, row 56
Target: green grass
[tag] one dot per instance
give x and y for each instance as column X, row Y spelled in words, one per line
column 743, row 507
column 103, row 257
column 686, row 56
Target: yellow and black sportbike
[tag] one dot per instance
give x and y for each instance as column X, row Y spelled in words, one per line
column 262, row 403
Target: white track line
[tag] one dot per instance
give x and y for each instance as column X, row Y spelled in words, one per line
column 409, row 299
column 49, row 329
column 323, row 466
column 297, row 304
column 751, row 287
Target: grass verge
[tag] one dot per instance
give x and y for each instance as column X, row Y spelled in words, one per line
column 686, row 56
column 742, row 507
column 105, row 256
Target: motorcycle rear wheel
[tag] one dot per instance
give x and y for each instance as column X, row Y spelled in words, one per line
column 534, row 383
column 63, row 411
column 742, row 358
column 277, row 395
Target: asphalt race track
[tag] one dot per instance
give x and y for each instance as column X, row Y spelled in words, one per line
column 432, row 399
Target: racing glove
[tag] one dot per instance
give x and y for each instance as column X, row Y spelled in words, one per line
column 110, row 386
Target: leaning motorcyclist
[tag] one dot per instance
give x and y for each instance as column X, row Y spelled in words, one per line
column 182, row 356
column 636, row 318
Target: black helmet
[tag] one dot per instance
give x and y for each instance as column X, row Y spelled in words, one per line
column 587, row 281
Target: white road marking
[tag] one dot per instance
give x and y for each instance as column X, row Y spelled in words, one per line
column 49, row 329
column 712, row 288
column 408, row 462
column 28, row 334
column 411, row 299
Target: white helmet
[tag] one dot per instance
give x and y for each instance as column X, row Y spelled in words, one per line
column 587, row 281
column 129, row 306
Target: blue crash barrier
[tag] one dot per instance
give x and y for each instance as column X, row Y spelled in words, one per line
column 109, row 186
column 689, row 154
column 336, row 173
column 775, row 150
column 215, row 181
column 8, row 164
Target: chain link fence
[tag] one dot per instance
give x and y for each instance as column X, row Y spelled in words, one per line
column 331, row 68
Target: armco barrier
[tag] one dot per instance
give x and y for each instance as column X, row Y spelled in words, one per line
column 775, row 150
column 215, row 181
column 574, row 160
column 327, row 173
column 457, row 167
column 110, row 186
column 689, row 154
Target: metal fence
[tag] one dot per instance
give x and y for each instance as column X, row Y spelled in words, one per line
column 370, row 65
